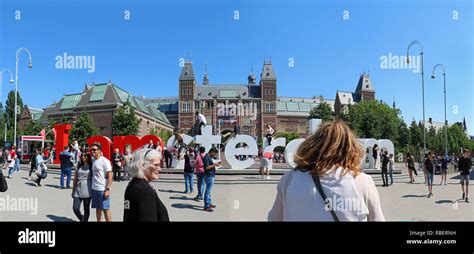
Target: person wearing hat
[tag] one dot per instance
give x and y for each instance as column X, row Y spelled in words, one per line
column 465, row 165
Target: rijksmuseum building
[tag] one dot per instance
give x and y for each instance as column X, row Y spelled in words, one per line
column 258, row 99
column 285, row 114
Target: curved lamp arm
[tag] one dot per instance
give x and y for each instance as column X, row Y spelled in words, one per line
column 408, row 49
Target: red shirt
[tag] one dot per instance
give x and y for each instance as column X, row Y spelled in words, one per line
column 12, row 154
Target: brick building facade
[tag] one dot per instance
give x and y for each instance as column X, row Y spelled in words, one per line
column 286, row 114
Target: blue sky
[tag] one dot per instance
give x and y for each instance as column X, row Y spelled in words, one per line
column 142, row 54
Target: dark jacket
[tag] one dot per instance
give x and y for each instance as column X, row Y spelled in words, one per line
column 116, row 158
column 385, row 161
column 465, row 165
column 142, row 203
column 66, row 159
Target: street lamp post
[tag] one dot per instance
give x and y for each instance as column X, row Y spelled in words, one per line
column 422, row 87
column 30, row 65
column 445, row 120
column 1, row 78
column 1, row 86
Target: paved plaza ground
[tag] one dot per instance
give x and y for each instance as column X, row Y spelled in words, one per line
column 240, row 198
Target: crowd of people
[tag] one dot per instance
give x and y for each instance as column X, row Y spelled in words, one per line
column 432, row 164
column 321, row 174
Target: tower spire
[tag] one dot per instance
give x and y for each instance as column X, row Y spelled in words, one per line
column 205, row 80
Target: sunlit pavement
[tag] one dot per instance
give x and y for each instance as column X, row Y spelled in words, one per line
column 238, row 198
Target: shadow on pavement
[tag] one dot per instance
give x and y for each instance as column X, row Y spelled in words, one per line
column 458, row 176
column 414, row 196
column 187, row 206
column 170, row 191
column 59, row 218
column 182, row 197
column 444, row 202
column 53, row 186
column 219, row 182
column 31, row 184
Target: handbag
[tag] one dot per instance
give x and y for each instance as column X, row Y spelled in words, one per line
column 44, row 174
column 3, row 182
column 318, row 185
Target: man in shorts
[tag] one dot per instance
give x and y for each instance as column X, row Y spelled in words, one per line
column 101, row 183
column 465, row 165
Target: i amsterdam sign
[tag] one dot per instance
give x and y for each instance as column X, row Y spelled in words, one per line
column 207, row 139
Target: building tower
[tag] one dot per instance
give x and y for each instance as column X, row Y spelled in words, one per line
column 187, row 91
column 365, row 90
column 269, row 97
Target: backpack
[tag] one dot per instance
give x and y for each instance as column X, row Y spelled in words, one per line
column 192, row 162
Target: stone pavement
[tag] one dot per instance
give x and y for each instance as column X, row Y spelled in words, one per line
column 238, row 198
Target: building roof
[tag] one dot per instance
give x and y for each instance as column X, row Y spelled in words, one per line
column 267, row 71
column 165, row 104
column 436, row 125
column 346, row 98
column 295, row 106
column 104, row 95
column 187, row 72
column 227, row 91
column 365, row 84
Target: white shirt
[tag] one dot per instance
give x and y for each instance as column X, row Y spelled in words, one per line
column 269, row 131
column 202, row 119
column 353, row 198
column 99, row 171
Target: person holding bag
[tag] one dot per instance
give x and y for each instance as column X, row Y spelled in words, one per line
column 327, row 173
column 40, row 168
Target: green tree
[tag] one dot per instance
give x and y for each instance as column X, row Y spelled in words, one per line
column 33, row 128
column 416, row 135
column 289, row 136
column 164, row 134
column 322, row 111
column 431, row 140
column 125, row 122
column 374, row 119
column 83, row 129
column 403, row 137
column 458, row 139
column 10, row 108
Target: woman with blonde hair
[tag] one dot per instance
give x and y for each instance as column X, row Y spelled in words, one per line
column 328, row 183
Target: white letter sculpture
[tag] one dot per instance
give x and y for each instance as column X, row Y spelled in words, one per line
column 231, row 151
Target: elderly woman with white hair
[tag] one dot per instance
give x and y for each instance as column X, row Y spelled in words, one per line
column 141, row 200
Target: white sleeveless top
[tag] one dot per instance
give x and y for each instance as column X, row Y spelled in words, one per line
column 299, row 200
